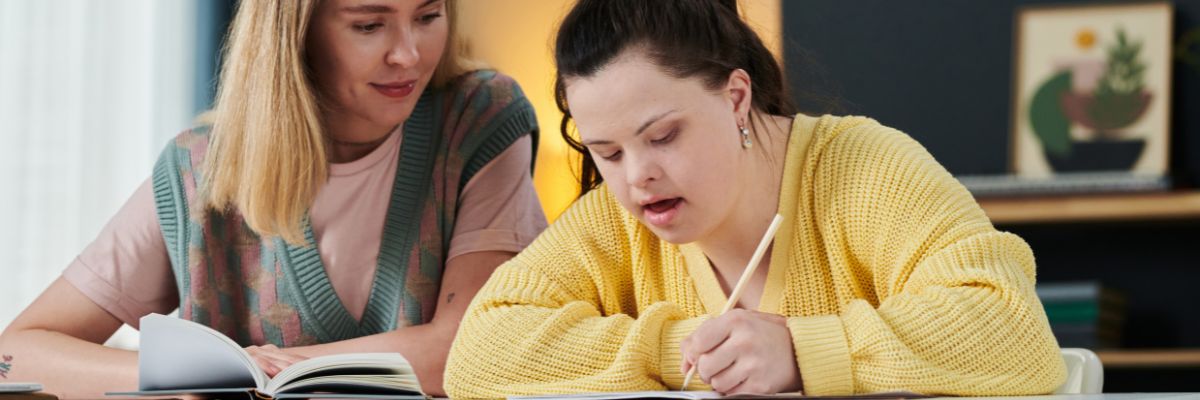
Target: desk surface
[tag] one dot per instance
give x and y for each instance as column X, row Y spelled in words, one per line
column 1105, row 396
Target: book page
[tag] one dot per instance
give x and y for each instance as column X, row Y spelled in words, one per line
column 177, row 354
column 354, row 372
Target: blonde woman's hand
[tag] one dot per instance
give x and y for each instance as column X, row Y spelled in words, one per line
column 273, row 359
column 743, row 352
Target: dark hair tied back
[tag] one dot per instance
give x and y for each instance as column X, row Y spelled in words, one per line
column 703, row 39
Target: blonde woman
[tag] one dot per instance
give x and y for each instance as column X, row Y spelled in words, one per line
column 354, row 189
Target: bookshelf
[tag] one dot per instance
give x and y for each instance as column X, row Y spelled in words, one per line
column 1149, row 358
column 1104, row 237
column 1093, row 208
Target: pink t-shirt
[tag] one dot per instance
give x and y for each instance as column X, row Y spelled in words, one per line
column 127, row 272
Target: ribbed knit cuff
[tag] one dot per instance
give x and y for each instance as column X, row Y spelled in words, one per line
column 823, row 355
column 671, row 358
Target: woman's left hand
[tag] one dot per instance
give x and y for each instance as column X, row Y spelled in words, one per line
column 743, row 351
column 273, row 359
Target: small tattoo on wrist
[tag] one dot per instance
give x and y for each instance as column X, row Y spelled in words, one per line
column 6, row 366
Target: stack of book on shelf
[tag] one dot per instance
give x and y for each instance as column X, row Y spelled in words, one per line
column 1083, row 314
column 986, row 186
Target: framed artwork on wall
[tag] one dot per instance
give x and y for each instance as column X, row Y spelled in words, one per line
column 1092, row 90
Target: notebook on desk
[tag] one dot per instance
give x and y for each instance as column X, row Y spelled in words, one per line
column 698, row 395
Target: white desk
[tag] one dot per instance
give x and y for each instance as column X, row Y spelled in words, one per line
column 1105, row 396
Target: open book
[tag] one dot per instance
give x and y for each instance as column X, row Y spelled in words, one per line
column 177, row 356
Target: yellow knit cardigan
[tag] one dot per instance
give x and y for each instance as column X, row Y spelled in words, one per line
column 891, row 276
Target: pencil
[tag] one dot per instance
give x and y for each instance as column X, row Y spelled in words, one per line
column 737, row 289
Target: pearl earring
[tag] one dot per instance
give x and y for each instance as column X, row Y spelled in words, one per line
column 746, row 143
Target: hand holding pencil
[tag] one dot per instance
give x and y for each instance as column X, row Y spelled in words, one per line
column 743, row 351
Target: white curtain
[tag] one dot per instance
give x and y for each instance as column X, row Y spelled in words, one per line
column 90, row 91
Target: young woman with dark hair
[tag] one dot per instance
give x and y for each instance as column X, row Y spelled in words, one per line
column 885, row 275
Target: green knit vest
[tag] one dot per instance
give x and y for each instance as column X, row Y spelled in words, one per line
column 259, row 290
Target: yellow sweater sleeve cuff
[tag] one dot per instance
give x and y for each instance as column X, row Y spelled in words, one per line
column 822, row 354
column 670, row 358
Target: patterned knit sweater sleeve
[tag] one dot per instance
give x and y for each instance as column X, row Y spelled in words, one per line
column 949, row 305
column 556, row 318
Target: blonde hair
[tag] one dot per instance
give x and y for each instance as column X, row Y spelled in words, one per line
column 267, row 151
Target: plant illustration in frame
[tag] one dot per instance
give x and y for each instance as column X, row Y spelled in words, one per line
column 1093, row 89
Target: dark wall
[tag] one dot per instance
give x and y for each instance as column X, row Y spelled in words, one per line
column 941, row 71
